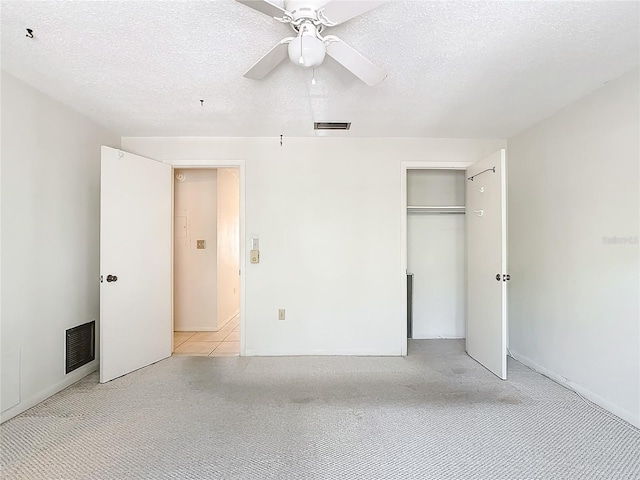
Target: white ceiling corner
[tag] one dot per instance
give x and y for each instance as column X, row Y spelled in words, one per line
column 455, row 68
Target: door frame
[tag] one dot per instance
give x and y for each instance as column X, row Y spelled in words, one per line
column 205, row 164
column 404, row 167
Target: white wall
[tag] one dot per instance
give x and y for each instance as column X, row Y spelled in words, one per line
column 573, row 295
column 327, row 212
column 436, row 254
column 437, row 259
column 195, row 275
column 228, row 244
column 50, row 239
column 431, row 187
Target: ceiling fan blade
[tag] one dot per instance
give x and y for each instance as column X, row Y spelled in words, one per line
column 265, row 7
column 340, row 11
column 270, row 61
column 355, row 62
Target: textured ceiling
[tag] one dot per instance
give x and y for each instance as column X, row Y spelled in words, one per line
column 456, row 69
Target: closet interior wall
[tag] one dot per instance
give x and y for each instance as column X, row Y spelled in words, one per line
column 436, row 252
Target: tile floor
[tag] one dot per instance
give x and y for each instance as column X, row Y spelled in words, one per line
column 223, row 343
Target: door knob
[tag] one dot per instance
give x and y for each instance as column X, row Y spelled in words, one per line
column 112, row 278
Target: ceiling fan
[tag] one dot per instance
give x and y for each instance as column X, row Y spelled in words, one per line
column 309, row 18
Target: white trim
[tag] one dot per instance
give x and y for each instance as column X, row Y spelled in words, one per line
column 580, row 390
column 173, row 259
column 404, row 166
column 240, row 164
column 67, row 381
column 403, row 258
column 413, row 165
column 506, row 245
column 503, row 208
column 206, row 163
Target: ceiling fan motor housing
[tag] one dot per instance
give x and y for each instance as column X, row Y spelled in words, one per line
column 304, row 9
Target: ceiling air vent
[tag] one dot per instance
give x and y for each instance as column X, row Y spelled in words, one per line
column 332, row 125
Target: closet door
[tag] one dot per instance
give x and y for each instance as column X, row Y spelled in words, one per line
column 487, row 263
column 135, row 263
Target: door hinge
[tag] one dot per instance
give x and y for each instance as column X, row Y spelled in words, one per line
column 101, row 280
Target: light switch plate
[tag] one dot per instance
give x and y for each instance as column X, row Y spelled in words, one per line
column 254, row 256
column 200, row 244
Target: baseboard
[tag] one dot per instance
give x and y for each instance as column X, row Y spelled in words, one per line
column 207, row 329
column 439, row 337
column 588, row 394
column 67, row 381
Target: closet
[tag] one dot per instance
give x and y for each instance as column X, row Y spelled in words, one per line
column 436, row 265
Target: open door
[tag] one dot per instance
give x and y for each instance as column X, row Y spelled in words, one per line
column 135, row 263
column 487, row 263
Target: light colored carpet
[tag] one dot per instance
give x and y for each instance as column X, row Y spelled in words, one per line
column 433, row 415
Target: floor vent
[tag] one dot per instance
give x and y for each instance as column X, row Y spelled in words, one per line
column 81, row 346
column 332, row 125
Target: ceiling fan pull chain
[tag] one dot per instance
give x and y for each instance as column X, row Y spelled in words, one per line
column 301, row 59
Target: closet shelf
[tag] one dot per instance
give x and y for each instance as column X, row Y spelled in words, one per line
column 439, row 209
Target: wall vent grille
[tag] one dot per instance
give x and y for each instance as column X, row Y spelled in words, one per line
column 80, row 345
column 332, row 125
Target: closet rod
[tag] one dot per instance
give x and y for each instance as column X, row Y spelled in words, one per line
column 441, row 209
column 487, row 170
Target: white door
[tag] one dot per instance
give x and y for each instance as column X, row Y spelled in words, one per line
column 135, row 263
column 487, row 263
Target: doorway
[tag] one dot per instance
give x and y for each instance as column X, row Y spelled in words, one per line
column 436, row 267
column 206, row 262
column 484, row 257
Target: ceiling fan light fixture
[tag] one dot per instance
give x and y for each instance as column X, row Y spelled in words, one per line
column 307, row 50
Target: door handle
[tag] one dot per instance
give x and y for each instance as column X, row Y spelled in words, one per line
column 112, row 278
column 504, row 277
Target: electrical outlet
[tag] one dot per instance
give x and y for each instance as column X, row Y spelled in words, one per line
column 281, row 314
